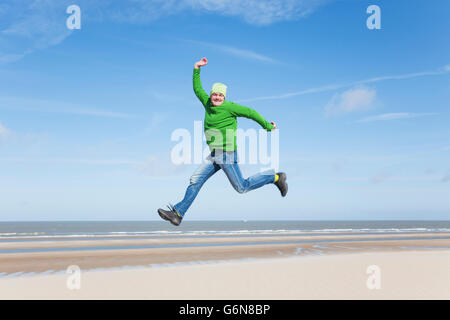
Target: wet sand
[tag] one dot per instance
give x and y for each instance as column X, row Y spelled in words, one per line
column 229, row 267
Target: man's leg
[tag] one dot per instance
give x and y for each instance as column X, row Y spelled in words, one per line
column 198, row 178
column 241, row 185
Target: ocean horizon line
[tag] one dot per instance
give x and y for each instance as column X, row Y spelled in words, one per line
column 238, row 220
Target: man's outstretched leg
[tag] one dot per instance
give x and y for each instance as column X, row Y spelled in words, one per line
column 229, row 163
column 176, row 213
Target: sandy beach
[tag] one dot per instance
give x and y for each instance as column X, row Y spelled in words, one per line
column 290, row 266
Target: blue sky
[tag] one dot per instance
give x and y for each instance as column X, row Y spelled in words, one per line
column 86, row 115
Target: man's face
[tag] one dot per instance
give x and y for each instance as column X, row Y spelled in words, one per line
column 217, row 99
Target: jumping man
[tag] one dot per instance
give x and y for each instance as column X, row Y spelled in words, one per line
column 220, row 130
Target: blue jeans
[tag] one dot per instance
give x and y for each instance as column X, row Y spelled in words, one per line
column 228, row 162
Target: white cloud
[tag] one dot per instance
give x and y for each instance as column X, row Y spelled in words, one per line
column 356, row 99
column 394, row 116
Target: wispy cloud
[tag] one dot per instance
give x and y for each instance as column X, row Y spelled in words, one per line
column 11, row 57
column 446, row 177
column 156, row 120
column 39, row 105
column 379, row 177
column 4, row 132
column 332, row 87
column 33, row 25
column 156, row 166
column 259, row 12
column 255, row 12
column 28, row 26
column 440, row 71
column 82, row 161
column 395, row 116
column 166, row 97
column 151, row 165
column 243, row 53
column 355, row 99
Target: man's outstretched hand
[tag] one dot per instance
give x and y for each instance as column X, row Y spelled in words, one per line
column 201, row 63
column 274, row 125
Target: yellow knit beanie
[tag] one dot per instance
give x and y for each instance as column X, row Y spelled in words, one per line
column 219, row 88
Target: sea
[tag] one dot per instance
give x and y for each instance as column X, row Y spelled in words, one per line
column 34, row 230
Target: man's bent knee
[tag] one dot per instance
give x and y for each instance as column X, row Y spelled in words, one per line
column 240, row 189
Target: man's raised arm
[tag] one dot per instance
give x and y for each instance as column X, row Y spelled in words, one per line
column 199, row 92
